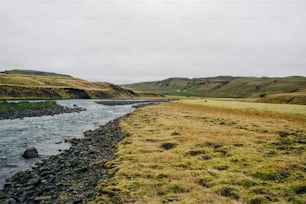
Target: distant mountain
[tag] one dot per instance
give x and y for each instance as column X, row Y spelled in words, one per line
column 33, row 72
column 223, row 86
column 55, row 86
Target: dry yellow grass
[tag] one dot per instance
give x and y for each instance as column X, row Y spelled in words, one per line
column 248, row 104
column 46, row 81
column 196, row 153
column 15, row 86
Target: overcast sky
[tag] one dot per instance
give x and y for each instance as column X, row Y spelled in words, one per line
column 124, row 41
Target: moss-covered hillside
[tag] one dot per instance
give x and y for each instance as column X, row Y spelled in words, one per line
column 224, row 86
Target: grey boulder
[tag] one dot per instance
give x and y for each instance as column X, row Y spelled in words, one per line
column 30, row 153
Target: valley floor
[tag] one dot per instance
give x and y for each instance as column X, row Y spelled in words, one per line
column 194, row 151
column 187, row 151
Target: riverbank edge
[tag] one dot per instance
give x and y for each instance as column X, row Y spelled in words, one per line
column 140, row 102
column 20, row 114
column 70, row 176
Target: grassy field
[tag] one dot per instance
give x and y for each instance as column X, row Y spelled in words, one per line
column 209, row 152
column 25, row 105
column 234, row 104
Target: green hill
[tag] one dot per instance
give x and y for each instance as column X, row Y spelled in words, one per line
column 33, row 72
column 20, row 86
column 223, row 86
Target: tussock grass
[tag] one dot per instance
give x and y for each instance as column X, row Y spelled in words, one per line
column 194, row 152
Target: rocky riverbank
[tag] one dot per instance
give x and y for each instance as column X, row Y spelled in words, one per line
column 38, row 112
column 70, row 177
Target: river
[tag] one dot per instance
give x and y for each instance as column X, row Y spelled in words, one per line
column 48, row 133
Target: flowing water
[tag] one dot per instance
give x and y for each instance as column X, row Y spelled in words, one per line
column 48, row 133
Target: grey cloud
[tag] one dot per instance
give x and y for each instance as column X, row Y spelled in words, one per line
column 135, row 40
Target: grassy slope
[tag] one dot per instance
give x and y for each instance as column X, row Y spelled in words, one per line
column 11, row 107
column 46, row 81
column 31, row 86
column 289, row 98
column 223, row 86
column 194, row 152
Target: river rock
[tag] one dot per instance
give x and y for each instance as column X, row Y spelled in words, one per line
column 10, row 201
column 42, row 198
column 30, row 153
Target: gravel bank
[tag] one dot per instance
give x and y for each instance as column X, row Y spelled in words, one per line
column 70, row 177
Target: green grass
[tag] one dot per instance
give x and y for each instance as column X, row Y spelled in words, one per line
column 25, row 105
column 226, row 103
column 193, row 152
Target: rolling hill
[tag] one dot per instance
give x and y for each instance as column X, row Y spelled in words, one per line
column 230, row 87
column 33, row 72
column 56, row 86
